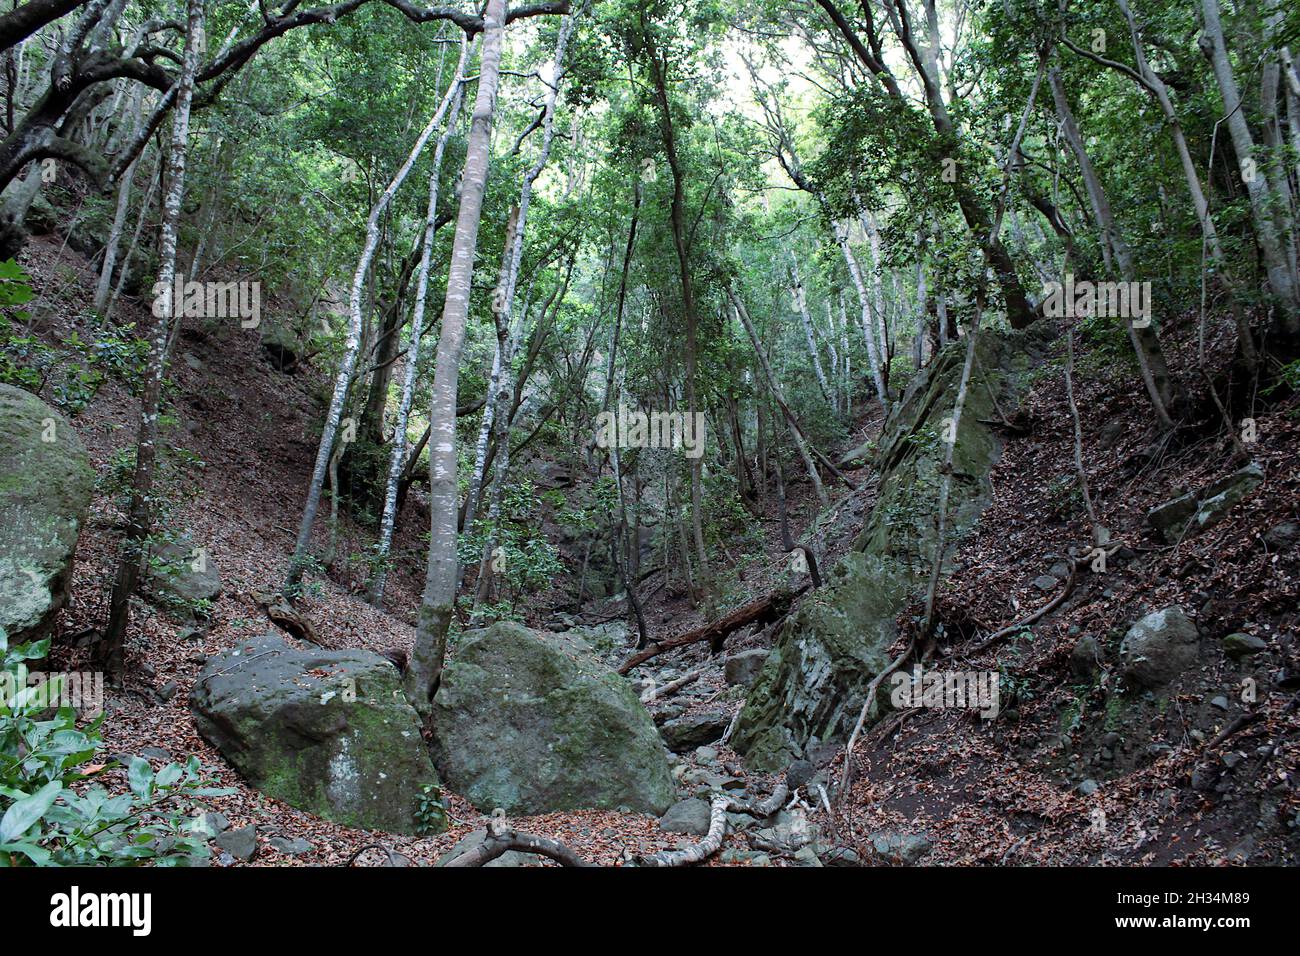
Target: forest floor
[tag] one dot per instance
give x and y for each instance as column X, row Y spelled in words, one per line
column 1005, row 791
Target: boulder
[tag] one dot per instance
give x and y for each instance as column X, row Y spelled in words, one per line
column 1159, row 647
column 282, row 347
column 533, row 722
column 183, row 575
column 687, row 733
column 326, row 731
column 45, row 488
column 743, row 668
column 1195, row 511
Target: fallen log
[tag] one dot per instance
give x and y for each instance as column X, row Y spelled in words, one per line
column 762, row 610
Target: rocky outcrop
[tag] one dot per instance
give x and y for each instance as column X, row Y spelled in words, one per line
column 532, row 722
column 329, row 732
column 810, row 689
column 45, row 487
column 1192, row 513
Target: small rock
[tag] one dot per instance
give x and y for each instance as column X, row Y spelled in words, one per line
column 1060, row 570
column 166, row 692
column 1231, row 759
column 806, row 857
column 295, row 847
column 687, row 816
column 687, row 733
column 1238, row 646
column 905, row 848
column 1045, row 582
column 743, row 668
column 156, row 753
column 1088, row 787
column 241, row 843
column 1282, row 536
column 799, row 773
column 1086, row 658
column 1220, row 702
column 706, row 754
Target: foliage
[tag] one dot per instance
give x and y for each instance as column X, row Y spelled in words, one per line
column 54, row 810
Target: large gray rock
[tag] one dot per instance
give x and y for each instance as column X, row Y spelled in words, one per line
column 184, row 575
column 45, row 487
column 329, row 732
column 1192, row 513
column 532, row 722
column 1159, row 647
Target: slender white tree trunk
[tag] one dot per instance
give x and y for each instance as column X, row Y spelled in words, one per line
column 351, row 347
column 868, row 333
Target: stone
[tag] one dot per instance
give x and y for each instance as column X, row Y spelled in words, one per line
column 1220, row 703
column 1086, row 658
column 183, row 575
column 1088, row 787
column 742, row 669
column 905, row 848
column 156, row 753
column 533, row 722
column 1197, row 510
column 1282, row 537
column 167, row 691
column 799, row 773
column 45, row 489
column 326, row 731
column 806, row 856
column 1159, row 647
column 706, row 754
column 240, row 844
column 295, row 847
column 687, row 816
column 1045, row 582
column 687, row 733
column 1238, row 646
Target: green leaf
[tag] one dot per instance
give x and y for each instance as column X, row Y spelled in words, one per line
column 19, row 818
column 139, row 776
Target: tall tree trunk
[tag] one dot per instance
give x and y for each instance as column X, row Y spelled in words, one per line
column 801, row 303
column 450, row 105
column 140, row 513
column 437, row 602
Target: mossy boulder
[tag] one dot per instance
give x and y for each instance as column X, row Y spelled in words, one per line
column 330, row 732
column 532, row 722
column 812, row 685
column 45, row 488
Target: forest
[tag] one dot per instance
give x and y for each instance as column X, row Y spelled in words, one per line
column 624, row 433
